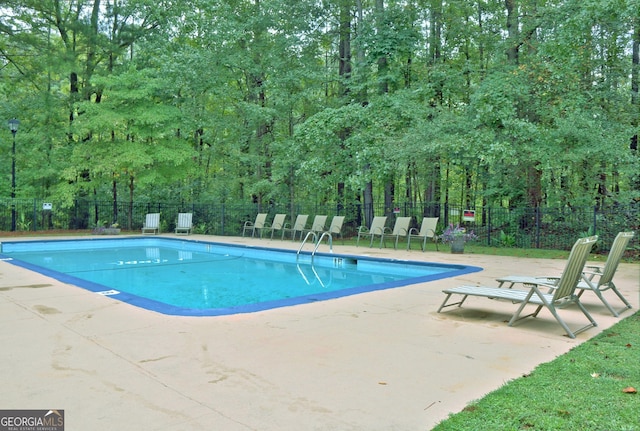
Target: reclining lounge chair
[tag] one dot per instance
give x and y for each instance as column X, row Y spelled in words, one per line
column 595, row 278
column 559, row 295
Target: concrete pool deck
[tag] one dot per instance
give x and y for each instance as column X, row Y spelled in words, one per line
column 382, row 360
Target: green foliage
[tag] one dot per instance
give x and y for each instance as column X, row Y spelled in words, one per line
column 241, row 101
column 201, row 228
column 506, row 240
column 581, row 390
column 23, row 223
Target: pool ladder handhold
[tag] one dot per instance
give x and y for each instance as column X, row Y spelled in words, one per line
column 317, row 242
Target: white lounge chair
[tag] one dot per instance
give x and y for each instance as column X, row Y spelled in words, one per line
column 277, row 223
column 377, row 228
column 559, row 295
column 318, row 225
column 184, row 224
column 605, row 274
column 151, row 224
column 400, row 229
column 336, row 226
column 427, row 230
column 298, row 226
column 595, row 277
column 259, row 224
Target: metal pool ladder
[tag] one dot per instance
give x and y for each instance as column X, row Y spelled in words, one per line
column 317, row 242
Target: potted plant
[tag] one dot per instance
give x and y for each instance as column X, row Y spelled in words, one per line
column 457, row 236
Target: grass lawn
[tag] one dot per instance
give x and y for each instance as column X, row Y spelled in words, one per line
column 592, row 387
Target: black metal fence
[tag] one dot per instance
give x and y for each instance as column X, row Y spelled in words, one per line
column 545, row 228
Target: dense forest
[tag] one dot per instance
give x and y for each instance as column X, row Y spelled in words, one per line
column 530, row 103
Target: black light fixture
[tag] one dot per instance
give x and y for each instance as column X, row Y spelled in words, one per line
column 13, row 126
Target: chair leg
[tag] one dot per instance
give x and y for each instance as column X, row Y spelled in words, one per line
column 564, row 325
column 619, row 295
column 516, row 315
column 587, row 315
column 622, row 298
column 599, row 294
column 553, row 311
column 444, row 303
column 604, row 301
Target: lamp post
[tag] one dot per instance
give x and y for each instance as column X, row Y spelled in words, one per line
column 13, row 126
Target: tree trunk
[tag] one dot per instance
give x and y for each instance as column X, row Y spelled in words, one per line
column 344, row 71
column 512, row 31
column 367, row 195
column 389, row 197
column 635, row 97
column 344, row 49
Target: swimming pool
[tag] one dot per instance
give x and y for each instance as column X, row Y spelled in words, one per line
column 199, row 278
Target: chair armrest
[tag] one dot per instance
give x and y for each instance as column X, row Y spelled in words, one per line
column 589, row 275
column 548, row 282
column 413, row 229
column 594, row 271
column 595, row 268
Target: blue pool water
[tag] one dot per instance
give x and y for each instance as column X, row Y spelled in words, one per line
column 197, row 278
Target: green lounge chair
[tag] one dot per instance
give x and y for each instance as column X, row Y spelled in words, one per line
column 559, row 294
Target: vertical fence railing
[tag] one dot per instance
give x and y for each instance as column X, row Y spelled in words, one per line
column 526, row 228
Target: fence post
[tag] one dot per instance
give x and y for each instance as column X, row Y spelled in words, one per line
column 489, row 226
column 537, row 209
column 35, row 216
column 75, row 214
column 595, row 219
column 446, row 214
column 222, row 218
